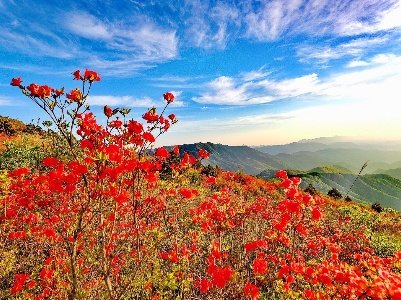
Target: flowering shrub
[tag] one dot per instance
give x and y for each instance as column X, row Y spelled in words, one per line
column 112, row 221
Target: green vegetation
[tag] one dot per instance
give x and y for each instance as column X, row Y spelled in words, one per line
column 103, row 217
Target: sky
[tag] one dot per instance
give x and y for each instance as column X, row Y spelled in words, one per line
column 243, row 72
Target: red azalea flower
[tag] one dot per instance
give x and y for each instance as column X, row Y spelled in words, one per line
column 186, row 193
column 16, row 81
column 162, row 153
column 281, row 174
column 91, row 76
column 50, row 162
column 116, row 124
column 107, row 111
column 203, row 154
column 211, row 180
column 205, row 285
column 134, row 127
column 169, row 97
column 46, row 273
column 148, row 137
column 75, row 95
column 77, row 75
column 45, row 91
column 34, row 89
column 19, row 283
column 58, row 93
column 150, row 116
column 251, row 290
column 259, row 266
column 316, row 214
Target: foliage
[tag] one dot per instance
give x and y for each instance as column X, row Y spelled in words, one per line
column 334, row 193
column 377, row 207
column 310, row 189
column 10, row 126
column 24, row 150
column 112, row 221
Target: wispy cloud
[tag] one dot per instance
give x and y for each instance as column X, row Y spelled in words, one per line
column 126, row 47
column 274, row 19
column 118, row 46
column 226, row 90
column 123, row 101
column 382, row 58
column 93, row 28
column 377, row 79
column 207, row 26
column 37, row 43
column 130, row 101
column 354, row 48
column 357, row 63
column 255, row 75
column 8, row 101
column 289, row 88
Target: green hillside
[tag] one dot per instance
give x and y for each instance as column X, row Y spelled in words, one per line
column 396, row 173
column 331, row 169
column 370, row 188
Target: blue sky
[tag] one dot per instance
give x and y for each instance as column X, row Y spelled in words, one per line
column 243, row 72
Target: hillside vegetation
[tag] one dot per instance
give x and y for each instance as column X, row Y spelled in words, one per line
column 103, row 217
column 369, row 188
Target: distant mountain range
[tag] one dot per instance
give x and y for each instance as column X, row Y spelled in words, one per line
column 253, row 161
column 329, row 163
column 234, row 158
column 323, row 143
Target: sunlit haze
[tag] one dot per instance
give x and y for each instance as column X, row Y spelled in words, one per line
column 243, row 72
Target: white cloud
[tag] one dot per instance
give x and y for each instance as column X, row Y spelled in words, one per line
column 255, row 75
column 130, row 101
column 46, row 45
column 354, row 48
column 6, row 101
column 357, row 63
column 86, row 25
column 376, row 82
column 124, row 47
column 377, row 79
column 390, row 19
column 226, row 90
column 274, row 19
column 210, row 26
column 124, row 101
column 292, row 87
column 384, row 58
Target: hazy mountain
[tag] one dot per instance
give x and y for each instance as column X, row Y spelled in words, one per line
column 235, row 158
column 329, row 143
column 352, row 159
column 252, row 161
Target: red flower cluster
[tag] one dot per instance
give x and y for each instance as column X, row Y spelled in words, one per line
column 88, row 76
column 169, row 97
column 111, row 220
